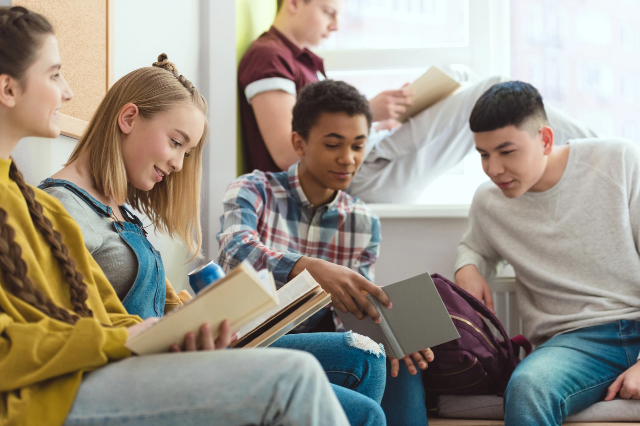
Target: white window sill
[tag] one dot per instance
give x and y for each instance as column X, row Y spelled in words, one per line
column 413, row 211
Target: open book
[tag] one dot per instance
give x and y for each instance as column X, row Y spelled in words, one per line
column 240, row 297
column 297, row 301
column 431, row 87
column 417, row 320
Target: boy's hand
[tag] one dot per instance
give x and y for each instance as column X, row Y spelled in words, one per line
column 423, row 358
column 628, row 384
column 391, row 103
column 344, row 285
column 469, row 279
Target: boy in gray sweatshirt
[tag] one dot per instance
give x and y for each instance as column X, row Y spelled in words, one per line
column 567, row 218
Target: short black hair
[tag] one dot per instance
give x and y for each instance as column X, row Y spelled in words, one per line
column 513, row 103
column 327, row 96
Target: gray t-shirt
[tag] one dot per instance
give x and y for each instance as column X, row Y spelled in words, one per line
column 574, row 247
column 117, row 260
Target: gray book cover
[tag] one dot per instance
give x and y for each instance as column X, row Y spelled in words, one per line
column 417, row 320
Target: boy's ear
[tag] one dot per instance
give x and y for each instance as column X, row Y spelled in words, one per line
column 127, row 116
column 299, row 144
column 547, row 139
column 8, row 86
column 291, row 5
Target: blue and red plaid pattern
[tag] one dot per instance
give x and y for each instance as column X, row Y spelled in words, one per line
column 268, row 221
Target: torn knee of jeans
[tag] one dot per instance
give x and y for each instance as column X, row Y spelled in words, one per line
column 364, row 343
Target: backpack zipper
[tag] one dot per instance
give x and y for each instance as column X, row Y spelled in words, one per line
column 469, row 323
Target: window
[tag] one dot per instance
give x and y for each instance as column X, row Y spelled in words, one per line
column 383, row 44
column 583, row 57
column 380, row 24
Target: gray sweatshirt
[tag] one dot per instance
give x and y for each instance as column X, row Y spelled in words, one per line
column 574, row 247
column 117, row 260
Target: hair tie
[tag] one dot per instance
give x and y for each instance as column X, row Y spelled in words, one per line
column 164, row 63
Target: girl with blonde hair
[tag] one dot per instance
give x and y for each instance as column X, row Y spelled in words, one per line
column 63, row 329
column 150, row 126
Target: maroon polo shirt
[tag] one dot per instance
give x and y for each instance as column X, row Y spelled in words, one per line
column 272, row 62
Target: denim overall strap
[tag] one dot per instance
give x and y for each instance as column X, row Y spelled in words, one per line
column 96, row 205
column 147, row 295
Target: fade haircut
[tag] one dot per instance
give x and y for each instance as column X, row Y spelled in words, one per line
column 279, row 3
column 327, row 96
column 513, row 103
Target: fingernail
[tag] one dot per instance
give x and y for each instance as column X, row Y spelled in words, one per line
column 390, row 305
column 378, row 320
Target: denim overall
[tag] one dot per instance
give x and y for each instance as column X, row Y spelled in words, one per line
column 147, row 295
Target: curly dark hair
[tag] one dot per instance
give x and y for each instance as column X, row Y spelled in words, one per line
column 327, row 96
column 512, row 103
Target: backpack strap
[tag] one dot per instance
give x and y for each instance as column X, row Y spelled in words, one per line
column 484, row 311
column 522, row 342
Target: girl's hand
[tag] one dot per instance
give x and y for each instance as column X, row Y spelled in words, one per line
column 140, row 327
column 204, row 341
column 422, row 358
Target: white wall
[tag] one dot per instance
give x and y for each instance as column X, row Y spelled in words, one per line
column 143, row 29
column 414, row 245
column 39, row 158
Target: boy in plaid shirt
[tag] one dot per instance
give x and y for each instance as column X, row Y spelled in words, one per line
column 302, row 218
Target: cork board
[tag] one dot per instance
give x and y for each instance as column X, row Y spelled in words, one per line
column 84, row 29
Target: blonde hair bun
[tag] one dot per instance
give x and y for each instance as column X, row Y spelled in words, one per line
column 166, row 64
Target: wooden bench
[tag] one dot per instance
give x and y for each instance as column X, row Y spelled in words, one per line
column 435, row 421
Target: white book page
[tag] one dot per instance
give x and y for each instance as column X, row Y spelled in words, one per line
column 287, row 294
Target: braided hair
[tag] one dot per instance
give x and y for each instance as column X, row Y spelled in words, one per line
column 20, row 35
column 166, row 64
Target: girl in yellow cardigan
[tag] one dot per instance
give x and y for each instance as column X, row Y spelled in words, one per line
column 62, row 326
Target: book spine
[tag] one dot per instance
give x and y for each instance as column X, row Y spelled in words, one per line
column 386, row 329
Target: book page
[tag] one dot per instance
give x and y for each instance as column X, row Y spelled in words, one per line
column 264, row 278
column 287, row 294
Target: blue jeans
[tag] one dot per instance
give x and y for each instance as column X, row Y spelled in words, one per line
column 226, row 388
column 569, row 373
column 404, row 398
column 356, row 372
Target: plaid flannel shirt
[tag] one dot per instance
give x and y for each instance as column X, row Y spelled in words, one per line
column 268, row 221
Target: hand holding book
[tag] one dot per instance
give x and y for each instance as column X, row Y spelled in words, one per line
column 345, row 286
column 391, row 104
column 420, row 320
column 204, row 341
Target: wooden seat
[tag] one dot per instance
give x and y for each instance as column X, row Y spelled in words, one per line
column 435, row 421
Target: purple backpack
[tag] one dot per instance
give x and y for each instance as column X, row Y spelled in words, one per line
column 476, row 363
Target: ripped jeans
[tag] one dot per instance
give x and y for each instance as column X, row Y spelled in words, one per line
column 355, row 366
